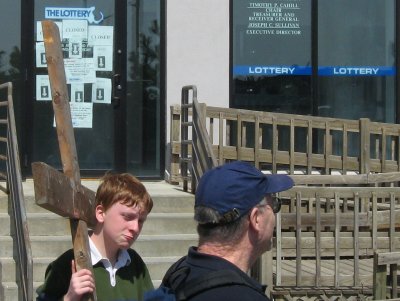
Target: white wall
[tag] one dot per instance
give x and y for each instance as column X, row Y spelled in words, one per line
column 197, row 52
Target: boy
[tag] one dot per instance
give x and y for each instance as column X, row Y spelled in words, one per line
column 122, row 206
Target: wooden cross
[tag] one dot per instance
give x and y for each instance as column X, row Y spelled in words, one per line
column 61, row 193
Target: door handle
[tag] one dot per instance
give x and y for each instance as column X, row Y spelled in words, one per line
column 117, row 80
column 116, row 100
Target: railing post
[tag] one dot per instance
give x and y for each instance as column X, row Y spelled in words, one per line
column 174, row 138
column 379, row 289
column 365, row 156
column 184, row 132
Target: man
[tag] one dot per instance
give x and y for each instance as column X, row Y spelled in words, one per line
column 122, row 206
column 235, row 210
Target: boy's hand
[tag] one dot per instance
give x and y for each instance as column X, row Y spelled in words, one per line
column 81, row 283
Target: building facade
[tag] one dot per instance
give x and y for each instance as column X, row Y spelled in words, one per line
column 127, row 60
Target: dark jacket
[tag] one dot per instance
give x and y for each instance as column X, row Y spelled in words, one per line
column 202, row 264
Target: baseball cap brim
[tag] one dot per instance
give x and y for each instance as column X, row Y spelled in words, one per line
column 278, row 183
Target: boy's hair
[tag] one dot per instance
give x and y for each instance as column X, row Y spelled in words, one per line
column 123, row 188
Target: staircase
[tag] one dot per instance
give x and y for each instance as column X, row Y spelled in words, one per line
column 166, row 235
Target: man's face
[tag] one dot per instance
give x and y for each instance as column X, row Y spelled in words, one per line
column 122, row 225
column 268, row 220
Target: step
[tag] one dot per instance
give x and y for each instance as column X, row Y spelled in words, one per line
column 9, row 291
column 171, row 223
column 3, row 203
column 146, row 245
column 8, row 269
column 182, row 203
column 6, row 246
column 4, row 224
column 171, row 196
column 47, row 223
column 157, row 267
column 51, row 224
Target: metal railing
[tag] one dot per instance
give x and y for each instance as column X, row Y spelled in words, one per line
column 13, row 180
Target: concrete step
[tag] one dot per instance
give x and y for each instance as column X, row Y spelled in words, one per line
column 157, row 267
column 50, row 224
column 166, row 197
column 9, row 291
column 6, row 246
column 182, row 203
column 4, row 224
column 146, row 245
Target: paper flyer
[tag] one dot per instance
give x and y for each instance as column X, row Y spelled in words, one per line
column 77, row 93
column 103, row 58
column 101, row 35
column 82, row 114
column 40, row 55
column 74, row 29
column 80, row 70
column 43, row 91
column 101, row 90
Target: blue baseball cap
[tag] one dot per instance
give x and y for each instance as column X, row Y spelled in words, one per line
column 234, row 188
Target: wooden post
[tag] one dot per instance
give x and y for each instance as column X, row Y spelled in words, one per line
column 379, row 279
column 69, row 158
column 175, row 126
column 364, row 146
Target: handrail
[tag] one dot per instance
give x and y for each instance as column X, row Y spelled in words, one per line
column 233, row 134
column 348, row 224
column 202, row 157
column 17, row 201
column 290, row 143
column 381, row 260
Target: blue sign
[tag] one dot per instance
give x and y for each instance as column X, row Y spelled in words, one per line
column 73, row 13
column 356, row 71
column 271, row 70
column 259, row 70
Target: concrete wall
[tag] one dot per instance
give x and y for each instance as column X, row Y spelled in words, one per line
column 197, row 46
column 197, row 52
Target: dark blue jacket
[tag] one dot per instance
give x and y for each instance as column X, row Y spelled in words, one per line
column 202, row 264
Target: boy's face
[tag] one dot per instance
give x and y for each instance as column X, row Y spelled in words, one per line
column 121, row 224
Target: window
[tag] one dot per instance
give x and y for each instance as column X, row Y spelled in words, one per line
column 273, row 44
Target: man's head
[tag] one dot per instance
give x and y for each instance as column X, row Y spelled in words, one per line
column 227, row 196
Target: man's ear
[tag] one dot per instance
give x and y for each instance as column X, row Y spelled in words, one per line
column 254, row 218
column 100, row 212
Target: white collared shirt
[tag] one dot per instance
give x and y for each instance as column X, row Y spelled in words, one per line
column 123, row 260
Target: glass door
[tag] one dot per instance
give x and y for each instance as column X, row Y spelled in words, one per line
column 111, row 58
column 87, row 37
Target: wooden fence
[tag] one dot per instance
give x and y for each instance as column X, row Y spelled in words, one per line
column 330, row 226
column 306, row 144
column 326, row 238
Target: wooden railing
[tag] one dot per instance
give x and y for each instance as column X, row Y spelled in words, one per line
column 10, row 173
column 292, row 143
column 200, row 157
column 326, row 238
column 338, row 219
column 381, row 261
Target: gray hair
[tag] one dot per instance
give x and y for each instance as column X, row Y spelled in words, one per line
column 210, row 229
